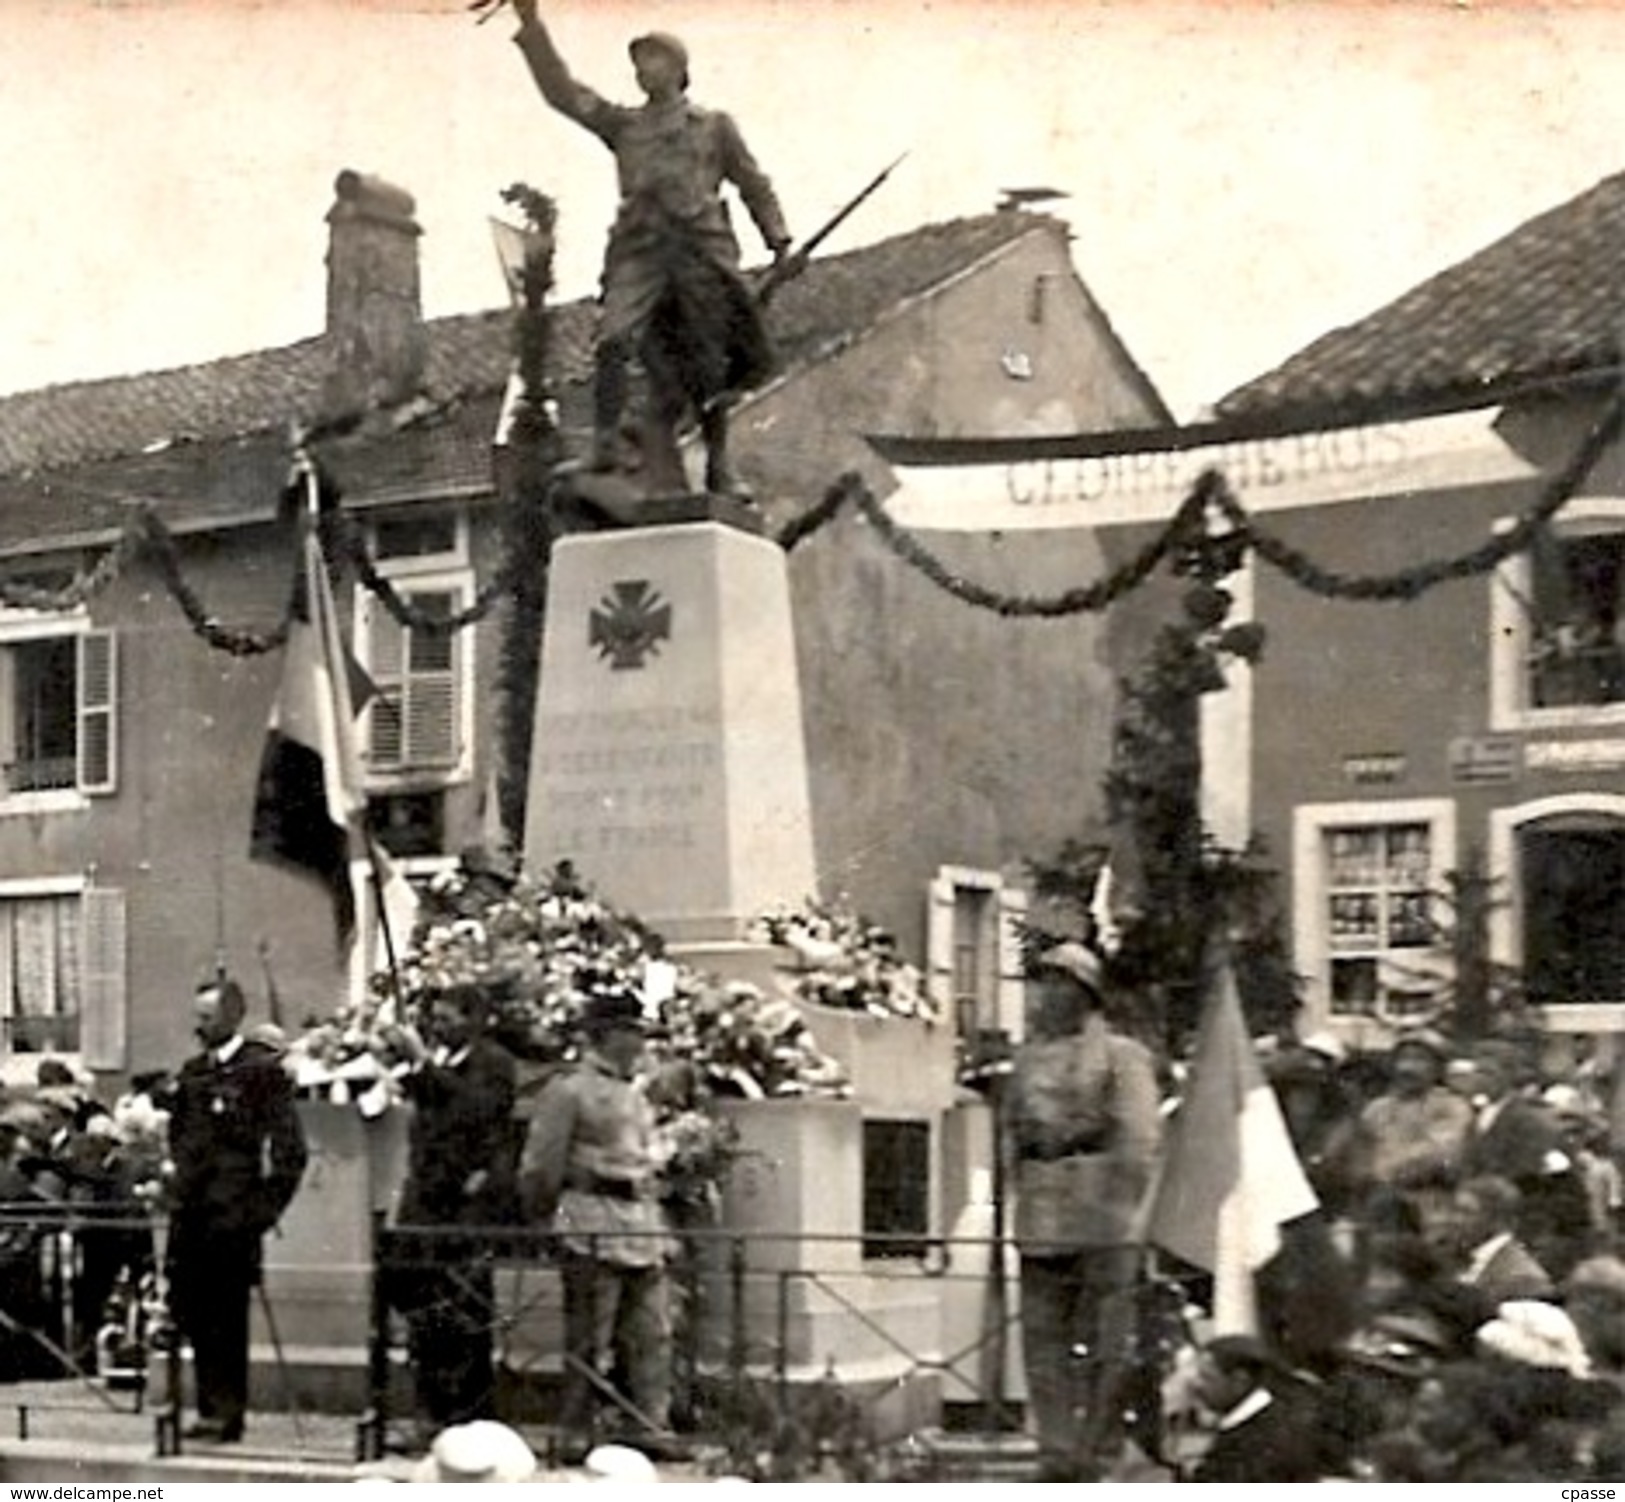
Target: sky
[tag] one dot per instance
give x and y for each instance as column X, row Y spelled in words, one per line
column 1241, row 176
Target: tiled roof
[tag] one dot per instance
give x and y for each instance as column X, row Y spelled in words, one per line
column 468, row 356
column 1543, row 304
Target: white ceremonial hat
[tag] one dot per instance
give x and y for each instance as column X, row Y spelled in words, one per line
column 620, row 1463
column 479, row 1451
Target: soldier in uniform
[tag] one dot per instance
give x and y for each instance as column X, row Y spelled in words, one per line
column 238, row 1153
column 671, row 285
column 1082, row 1120
column 590, row 1167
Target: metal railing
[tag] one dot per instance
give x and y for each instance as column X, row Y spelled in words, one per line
column 750, row 1359
column 781, row 1339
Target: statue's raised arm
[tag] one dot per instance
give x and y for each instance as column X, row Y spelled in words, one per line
column 553, row 77
column 671, row 288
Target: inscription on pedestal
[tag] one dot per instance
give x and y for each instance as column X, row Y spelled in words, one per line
column 630, row 779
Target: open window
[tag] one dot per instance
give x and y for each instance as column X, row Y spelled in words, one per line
column 1558, row 623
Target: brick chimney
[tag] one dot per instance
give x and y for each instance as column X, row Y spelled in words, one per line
column 374, row 300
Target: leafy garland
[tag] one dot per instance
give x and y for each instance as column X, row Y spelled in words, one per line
column 1211, row 489
column 147, row 536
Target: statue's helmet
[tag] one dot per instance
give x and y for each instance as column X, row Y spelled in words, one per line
column 661, row 41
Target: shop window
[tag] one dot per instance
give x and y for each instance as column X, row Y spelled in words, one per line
column 1368, row 933
column 896, row 1188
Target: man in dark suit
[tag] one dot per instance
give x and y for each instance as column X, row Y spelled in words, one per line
column 1267, row 1425
column 1517, row 1137
column 462, row 1157
column 239, row 1154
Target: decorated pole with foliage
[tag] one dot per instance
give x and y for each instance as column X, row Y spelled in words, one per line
column 535, row 448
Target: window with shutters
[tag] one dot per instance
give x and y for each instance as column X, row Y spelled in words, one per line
column 62, row 967
column 58, row 712
column 973, row 945
column 418, row 726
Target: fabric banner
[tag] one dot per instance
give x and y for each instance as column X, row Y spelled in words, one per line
column 308, row 803
column 1231, row 1178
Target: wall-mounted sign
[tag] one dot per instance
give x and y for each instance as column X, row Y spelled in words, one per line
column 1574, row 756
column 1484, row 758
column 1374, row 767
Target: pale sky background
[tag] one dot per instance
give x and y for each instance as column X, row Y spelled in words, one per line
column 1243, row 176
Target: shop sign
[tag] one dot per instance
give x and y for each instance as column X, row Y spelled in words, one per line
column 1484, row 758
column 1374, row 768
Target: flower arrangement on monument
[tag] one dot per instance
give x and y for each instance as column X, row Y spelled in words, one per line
column 843, row 960
column 536, row 949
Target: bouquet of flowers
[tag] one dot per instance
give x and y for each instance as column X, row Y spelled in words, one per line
column 845, row 961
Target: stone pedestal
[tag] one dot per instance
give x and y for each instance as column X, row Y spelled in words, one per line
column 668, row 762
column 318, row 1263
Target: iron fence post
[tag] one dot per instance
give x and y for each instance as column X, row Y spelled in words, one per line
column 369, row 1438
column 736, row 1330
column 781, row 1350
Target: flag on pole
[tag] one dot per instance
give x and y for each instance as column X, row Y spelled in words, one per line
column 1231, row 1178
column 309, row 800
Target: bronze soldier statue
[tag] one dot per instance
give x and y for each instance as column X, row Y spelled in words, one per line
column 671, row 289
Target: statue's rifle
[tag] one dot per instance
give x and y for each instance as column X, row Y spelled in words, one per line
column 791, row 266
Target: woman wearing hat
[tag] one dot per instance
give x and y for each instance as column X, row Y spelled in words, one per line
column 1412, row 1139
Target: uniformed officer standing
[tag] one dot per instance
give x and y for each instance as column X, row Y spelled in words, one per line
column 1082, row 1119
column 238, row 1153
column 672, row 240
column 590, row 1167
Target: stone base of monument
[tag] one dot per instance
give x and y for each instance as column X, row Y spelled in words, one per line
column 814, row 1306
column 312, row 1351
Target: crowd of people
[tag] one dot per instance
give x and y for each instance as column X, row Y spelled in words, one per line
column 76, row 1250
column 1453, row 1310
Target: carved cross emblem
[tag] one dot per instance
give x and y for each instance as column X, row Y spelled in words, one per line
column 628, row 625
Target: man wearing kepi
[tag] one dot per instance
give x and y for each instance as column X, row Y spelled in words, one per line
column 1083, row 1126
column 238, row 1154
column 590, row 1166
column 671, row 285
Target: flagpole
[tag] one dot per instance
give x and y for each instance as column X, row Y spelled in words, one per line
column 375, row 866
